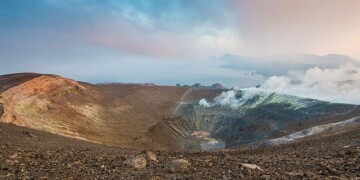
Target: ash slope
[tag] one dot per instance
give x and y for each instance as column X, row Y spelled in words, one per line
column 121, row 115
column 157, row 117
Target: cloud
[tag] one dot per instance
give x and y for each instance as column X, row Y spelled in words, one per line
column 176, row 15
column 165, row 29
column 340, row 85
column 313, row 27
column 184, row 29
column 74, row 38
column 282, row 63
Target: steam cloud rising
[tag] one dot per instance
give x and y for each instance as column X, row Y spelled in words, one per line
column 335, row 85
column 230, row 98
column 341, row 85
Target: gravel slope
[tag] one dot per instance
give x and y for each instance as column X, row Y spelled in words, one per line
column 27, row 154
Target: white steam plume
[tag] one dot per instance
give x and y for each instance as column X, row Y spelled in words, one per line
column 341, row 85
column 230, row 98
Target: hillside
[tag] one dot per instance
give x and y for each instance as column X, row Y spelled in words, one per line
column 156, row 117
column 120, row 115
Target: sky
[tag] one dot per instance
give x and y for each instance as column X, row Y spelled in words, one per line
column 168, row 42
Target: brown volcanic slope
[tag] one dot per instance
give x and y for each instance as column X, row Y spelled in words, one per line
column 121, row 115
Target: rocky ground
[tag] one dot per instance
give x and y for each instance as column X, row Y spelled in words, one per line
column 31, row 154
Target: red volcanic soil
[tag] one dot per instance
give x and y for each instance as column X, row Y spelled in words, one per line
column 11, row 80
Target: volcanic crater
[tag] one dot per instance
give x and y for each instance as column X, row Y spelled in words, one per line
column 157, row 117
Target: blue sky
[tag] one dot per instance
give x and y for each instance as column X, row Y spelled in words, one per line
column 166, row 41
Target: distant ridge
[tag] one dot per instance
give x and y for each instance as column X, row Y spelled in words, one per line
column 280, row 64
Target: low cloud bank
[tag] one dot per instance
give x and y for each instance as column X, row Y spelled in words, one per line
column 340, row 85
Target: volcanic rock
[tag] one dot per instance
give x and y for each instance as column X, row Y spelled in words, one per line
column 14, row 156
column 179, row 165
column 217, row 86
column 263, row 177
column 251, row 166
column 138, row 162
column 151, row 156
